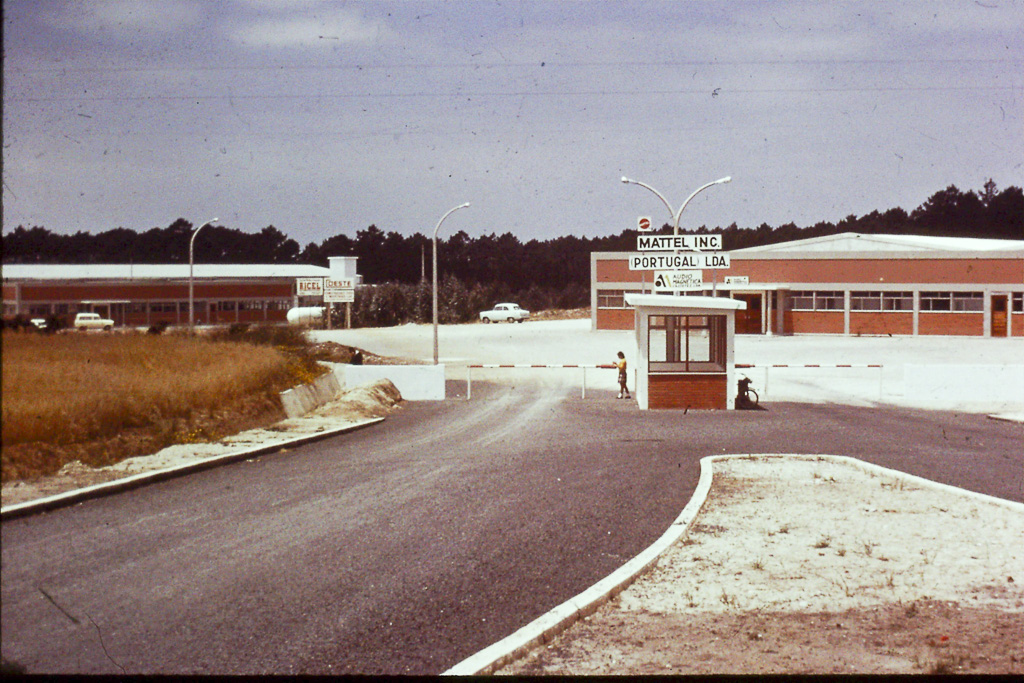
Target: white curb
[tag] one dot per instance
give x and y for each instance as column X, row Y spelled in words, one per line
column 541, row 630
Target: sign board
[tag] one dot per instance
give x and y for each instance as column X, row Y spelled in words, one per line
column 737, row 280
column 675, row 280
column 643, row 224
column 309, row 286
column 339, row 291
column 674, row 242
column 691, row 261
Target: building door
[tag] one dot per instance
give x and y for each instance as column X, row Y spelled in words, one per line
column 749, row 321
column 999, row 309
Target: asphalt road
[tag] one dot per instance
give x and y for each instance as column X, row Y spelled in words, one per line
column 403, row 548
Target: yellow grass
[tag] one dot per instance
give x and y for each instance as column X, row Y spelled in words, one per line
column 63, row 389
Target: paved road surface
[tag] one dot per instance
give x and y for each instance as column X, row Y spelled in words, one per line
column 405, row 547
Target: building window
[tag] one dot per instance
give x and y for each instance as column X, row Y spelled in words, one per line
column 817, row 301
column 163, row 307
column 225, row 305
column 39, row 310
column 968, row 301
column 865, row 301
column 62, row 309
column 936, row 301
column 687, row 343
column 279, row 304
column 611, row 298
column 1018, row 302
column 897, row 301
column 250, row 305
column 952, row 301
column 881, row 301
column 802, row 301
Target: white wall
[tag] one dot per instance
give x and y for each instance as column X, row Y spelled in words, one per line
column 414, row 382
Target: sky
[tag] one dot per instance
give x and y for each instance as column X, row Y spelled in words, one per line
column 323, row 117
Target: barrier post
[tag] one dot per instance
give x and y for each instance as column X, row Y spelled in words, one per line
column 584, row 396
column 469, row 382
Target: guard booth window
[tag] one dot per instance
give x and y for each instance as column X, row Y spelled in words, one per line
column 687, row 343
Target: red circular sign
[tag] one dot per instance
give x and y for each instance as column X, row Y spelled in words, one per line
column 645, row 224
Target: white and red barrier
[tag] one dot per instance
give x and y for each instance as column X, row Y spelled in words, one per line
column 768, row 366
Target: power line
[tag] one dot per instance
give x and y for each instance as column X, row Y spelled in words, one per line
column 513, row 65
column 717, row 92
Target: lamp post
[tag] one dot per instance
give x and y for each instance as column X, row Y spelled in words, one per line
column 676, row 215
column 191, row 304
column 434, row 268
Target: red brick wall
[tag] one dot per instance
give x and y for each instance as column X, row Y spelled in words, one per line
column 615, row 318
column 951, row 323
column 697, row 392
column 816, row 322
column 890, row 271
column 143, row 292
column 1017, row 324
column 881, row 323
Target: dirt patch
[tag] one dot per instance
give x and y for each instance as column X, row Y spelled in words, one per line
column 259, row 428
column 799, row 565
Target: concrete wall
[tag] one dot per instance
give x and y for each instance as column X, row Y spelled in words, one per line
column 415, row 382
column 301, row 399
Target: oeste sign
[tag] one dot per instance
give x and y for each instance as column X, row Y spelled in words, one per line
column 693, row 261
column 339, row 291
column 678, row 242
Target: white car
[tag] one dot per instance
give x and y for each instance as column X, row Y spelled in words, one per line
column 92, row 321
column 509, row 312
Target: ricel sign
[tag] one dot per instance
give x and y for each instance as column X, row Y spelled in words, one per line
column 309, row 286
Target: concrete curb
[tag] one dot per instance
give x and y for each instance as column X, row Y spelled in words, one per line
column 110, row 487
column 541, row 630
column 544, row 628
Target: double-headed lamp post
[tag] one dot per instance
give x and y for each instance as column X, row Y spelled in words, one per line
column 191, row 304
column 434, row 269
column 677, row 215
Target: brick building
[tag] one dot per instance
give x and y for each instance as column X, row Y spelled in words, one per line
column 142, row 295
column 848, row 284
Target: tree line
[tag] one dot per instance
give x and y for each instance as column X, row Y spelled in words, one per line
column 542, row 274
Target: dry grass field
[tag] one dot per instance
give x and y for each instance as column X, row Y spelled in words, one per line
column 99, row 398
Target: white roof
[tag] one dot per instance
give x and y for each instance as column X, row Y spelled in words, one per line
column 174, row 271
column 711, row 303
column 854, row 241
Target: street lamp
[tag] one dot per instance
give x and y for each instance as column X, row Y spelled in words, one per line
column 434, row 262
column 676, row 216
column 191, row 304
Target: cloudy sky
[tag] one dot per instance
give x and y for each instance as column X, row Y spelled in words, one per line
column 323, row 117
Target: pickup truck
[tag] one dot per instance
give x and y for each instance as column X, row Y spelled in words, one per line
column 509, row 312
column 92, row 321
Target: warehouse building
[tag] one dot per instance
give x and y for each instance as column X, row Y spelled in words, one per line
column 848, row 284
column 143, row 295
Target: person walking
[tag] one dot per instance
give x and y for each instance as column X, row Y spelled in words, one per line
column 621, row 365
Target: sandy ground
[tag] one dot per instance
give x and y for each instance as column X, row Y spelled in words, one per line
column 808, row 565
column 353, row 407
